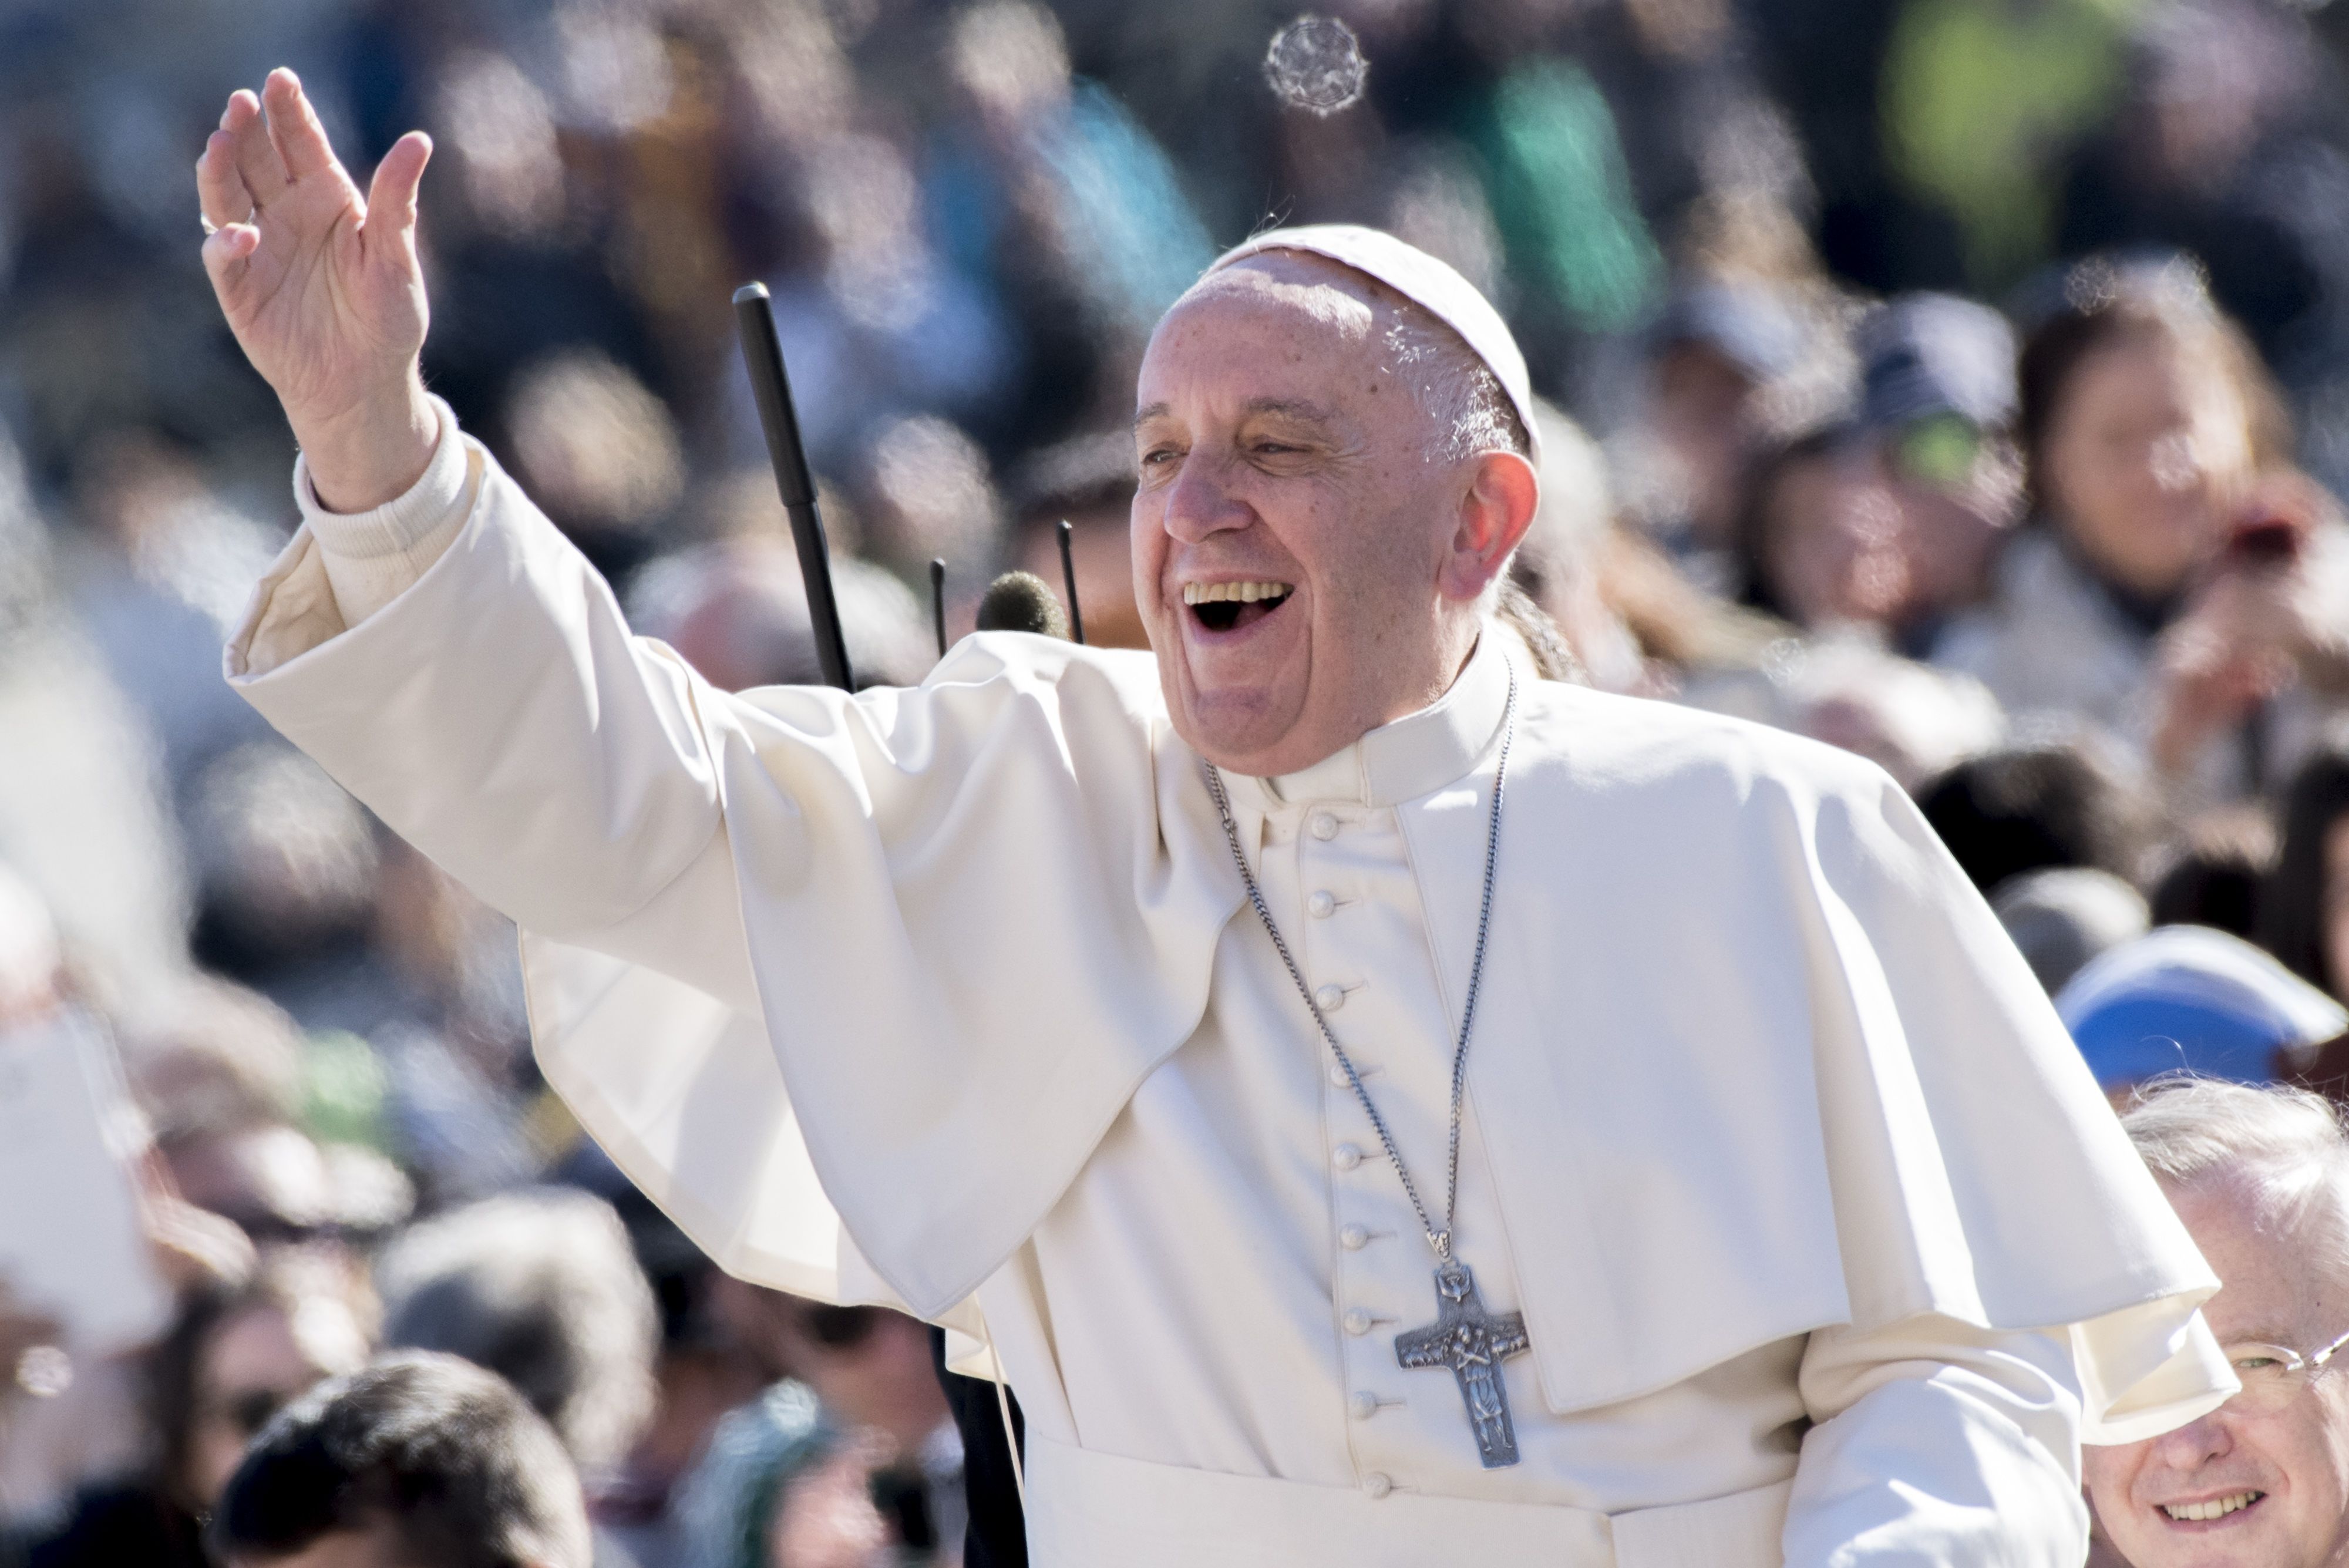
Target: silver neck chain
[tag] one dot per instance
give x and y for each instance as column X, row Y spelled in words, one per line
column 1438, row 1237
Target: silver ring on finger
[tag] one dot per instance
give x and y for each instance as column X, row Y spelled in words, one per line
column 210, row 228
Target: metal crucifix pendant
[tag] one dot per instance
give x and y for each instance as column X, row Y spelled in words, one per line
column 1472, row 1343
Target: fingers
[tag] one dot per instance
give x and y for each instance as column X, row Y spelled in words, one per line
column 225, row 256
column 294, row 127
column 391, row 194
column 257, row 162
column 219, row 188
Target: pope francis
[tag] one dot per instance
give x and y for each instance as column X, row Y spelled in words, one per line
column 1374, row 1107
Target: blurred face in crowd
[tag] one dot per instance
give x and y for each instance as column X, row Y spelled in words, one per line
column 871, row 1367
column 255, row 1363
column 1958, row 489
column 1831, row 544
column 2254, row 1484
column 1307, row 568
column 1704, row 415
column 272, row 1180
column 2149, row 450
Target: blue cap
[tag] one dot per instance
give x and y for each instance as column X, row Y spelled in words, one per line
column 2188, row 998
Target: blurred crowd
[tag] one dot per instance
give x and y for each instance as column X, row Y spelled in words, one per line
column 1961, row 382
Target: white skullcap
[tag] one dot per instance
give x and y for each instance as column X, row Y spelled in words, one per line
column 1427, row 283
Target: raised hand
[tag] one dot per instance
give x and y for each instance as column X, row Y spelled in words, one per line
column 322, row 289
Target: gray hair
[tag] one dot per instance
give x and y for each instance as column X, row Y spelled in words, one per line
column 541, row 1287
column 2286, row 1146
column 1461, row 396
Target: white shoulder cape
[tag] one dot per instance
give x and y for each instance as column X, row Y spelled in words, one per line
column 1753, row 1058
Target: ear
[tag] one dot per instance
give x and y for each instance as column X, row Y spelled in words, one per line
column 1503, row 494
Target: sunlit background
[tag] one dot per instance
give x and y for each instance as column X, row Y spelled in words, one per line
column 969, row 216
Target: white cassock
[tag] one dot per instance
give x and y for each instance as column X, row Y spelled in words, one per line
column 1828, row 1249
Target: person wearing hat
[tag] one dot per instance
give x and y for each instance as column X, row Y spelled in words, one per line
column 1373, row 1105
column 1938, row 403
column 2190, row 999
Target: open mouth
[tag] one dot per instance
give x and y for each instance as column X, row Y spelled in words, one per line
column 1226, row 607
column 2214, row 1508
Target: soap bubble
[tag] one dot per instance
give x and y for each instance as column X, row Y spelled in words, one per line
column 1315, row 63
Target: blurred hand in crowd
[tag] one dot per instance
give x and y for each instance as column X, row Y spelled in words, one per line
column 323, row 289
column 827, row 1517
column 2267, row 613
column 22, row 1331
column 253, row 1360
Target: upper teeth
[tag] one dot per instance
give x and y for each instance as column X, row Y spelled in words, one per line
column 2218, row 1508
column 1246, row 593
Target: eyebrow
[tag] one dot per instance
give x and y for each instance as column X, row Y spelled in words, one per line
column 1289, row 407
column 2262, row 1336
column 1292, row 408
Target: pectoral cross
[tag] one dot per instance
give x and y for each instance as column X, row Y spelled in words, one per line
column 1472, row 1343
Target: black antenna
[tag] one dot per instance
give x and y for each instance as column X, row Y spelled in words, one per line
column 938, row 603
column 1068, row 578
column 763, row 353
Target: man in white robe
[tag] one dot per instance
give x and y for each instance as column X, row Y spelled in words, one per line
column 1827, row 1248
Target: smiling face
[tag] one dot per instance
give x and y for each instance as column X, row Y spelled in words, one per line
column 1308, row 568
column 2236, row 1490
column 2149, row 448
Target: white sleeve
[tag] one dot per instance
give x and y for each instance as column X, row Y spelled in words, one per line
column 372, row 557
column 1938, row 1445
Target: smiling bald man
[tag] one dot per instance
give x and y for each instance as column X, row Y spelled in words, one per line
column 1374, row 1106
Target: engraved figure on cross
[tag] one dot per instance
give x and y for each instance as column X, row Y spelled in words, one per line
column 1472, row 1343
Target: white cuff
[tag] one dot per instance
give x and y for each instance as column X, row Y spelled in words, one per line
column 400, row 523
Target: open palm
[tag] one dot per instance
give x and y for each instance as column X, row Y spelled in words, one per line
column 320, row 284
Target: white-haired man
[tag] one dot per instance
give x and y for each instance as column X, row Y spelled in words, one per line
column 2260, row 1175
column 1678, row 1168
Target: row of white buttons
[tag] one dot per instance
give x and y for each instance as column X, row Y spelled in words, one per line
column 1323, row 826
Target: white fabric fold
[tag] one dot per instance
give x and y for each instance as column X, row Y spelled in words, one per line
column 1752, row 1058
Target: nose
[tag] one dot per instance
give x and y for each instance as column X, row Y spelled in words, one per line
column 1200, row 503
column 2196, row 1443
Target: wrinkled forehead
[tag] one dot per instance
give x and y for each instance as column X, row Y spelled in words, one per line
column 2274, row 1238
column 1277, row 315
column 1308, row 295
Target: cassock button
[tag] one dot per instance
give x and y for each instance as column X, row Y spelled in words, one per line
column 1377, row 1484
column 1353, row 1238
column 1358, row 1321
column 1330, row 998
column 1338, row 1079
column 1363, row 1406
column 1323, row 826
column 1345, row 1156
column 1321, row 904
